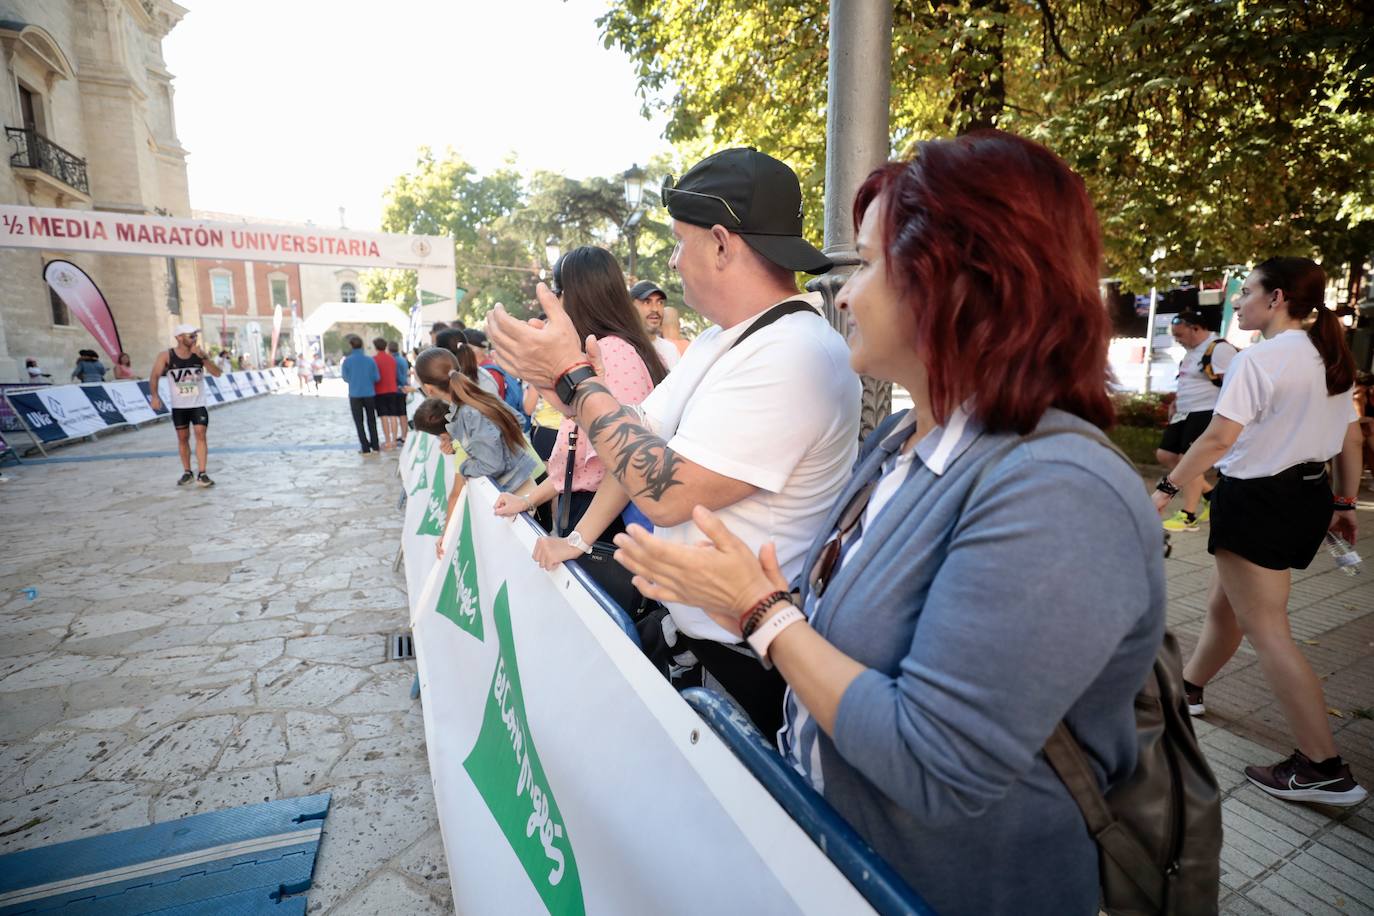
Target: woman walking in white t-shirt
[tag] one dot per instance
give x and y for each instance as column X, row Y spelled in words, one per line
column 1285, row 410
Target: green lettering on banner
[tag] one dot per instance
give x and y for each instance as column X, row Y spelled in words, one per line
column 423, row 481
column 458, row 600
column 432, row 522
column 422, row 450
column 506, row 771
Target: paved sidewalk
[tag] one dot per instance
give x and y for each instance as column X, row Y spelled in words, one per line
column 1280, row 857
column 195, row 649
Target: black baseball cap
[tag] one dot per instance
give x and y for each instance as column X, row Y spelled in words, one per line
column 475, row 338
column 1188, row 316
column 754, row 196
column 646, row 288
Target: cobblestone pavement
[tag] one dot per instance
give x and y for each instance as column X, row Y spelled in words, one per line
column 191, row 649
column 1280, row 857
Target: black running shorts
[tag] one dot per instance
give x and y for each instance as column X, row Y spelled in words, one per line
column 183, row 417
column 1276, row 522
column 1178, row 436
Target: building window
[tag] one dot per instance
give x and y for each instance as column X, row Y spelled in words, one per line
column 173, row 288
column 222, row 289
column 59, row 308
column 279, row 293
column 348, row 293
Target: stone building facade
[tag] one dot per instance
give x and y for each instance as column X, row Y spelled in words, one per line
column 87, row 105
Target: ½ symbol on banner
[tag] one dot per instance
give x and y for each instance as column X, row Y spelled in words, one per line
column 458, row 599
column 433, row 520
column 505, row 770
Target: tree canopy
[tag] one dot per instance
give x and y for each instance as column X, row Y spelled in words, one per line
column 1216, row 130
column 501, row 224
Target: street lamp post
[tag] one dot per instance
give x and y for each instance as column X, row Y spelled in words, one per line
column 552, row 252
column 634, row 196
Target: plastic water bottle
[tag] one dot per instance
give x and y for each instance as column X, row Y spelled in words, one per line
column 1347, row 560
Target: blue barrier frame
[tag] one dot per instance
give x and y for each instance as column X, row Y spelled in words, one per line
column 871, row 876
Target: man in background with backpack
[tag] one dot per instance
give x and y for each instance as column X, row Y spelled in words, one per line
column 509, row 388
column 1199, row 385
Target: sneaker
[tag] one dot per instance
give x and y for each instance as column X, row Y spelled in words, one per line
column 204, row 480
column 1179, row 521
column 1194, row 695
column 185, row 478
column 1206, row 512
column 1298, row 779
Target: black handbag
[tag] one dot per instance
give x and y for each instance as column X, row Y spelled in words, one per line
column 600, row 564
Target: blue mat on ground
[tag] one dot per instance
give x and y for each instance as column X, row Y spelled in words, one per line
column 257, row 859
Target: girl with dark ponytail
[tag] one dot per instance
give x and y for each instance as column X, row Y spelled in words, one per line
column 1284, row 412
column 479, row 422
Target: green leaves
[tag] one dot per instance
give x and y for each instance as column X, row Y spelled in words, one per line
column 1221, row 130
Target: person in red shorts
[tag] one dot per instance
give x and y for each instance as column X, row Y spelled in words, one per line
column 386, row 391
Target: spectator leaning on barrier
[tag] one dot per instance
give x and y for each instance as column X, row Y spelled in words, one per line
column 361, row 375
column 944, row 630
column 476, row 421
column 649, row 300
column 185, row 366
column 1200, row 376
column 89, row 369
column 761, row 427
column 124, row 368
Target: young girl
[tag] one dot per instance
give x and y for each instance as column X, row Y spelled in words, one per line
column 480, row 423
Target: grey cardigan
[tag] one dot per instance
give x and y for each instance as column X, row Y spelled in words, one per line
column 1042, row 599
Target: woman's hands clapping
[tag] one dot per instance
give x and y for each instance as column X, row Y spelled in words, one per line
column 721, row 575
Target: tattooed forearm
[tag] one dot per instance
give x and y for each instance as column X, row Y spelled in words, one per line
column 640, row 460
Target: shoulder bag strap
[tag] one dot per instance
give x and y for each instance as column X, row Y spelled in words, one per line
column 1066, row 758
column 782, row 309
column 560, row 524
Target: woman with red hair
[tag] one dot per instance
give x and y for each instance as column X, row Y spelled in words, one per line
column 946, row 628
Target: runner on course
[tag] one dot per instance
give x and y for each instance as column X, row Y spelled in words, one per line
column 186, row 365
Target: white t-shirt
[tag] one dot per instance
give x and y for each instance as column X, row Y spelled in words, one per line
column 1277, row 391
column 781, row 412
column 1196, row 392
column 667, row 352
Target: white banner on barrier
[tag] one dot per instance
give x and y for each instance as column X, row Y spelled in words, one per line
column 129, row 400
column 72, row 410
column 569, row 775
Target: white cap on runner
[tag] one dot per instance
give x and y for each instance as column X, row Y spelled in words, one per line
column 185, row 329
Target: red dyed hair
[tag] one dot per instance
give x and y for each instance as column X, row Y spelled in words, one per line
column 995, row 246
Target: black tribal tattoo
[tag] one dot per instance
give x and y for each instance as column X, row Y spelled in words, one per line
column 635, row 447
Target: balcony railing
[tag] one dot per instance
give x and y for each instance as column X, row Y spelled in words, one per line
column 32, row 150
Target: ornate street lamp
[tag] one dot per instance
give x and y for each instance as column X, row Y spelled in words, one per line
column 634, row 196
column 634, row 187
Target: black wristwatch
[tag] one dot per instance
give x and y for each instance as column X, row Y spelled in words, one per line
column 566, row 386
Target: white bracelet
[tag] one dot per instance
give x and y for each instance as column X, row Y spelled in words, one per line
column 768, row 631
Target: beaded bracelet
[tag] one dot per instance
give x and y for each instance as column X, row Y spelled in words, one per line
column 1166, row 486
column 1343, row 503
column 749, row 621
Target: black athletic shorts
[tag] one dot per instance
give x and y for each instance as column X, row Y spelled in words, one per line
column 1276, row 522
column 183, row 417
column 391, row 405
column 1178, row 436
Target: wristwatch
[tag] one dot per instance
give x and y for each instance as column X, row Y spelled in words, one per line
column 566, row 385
column 574, row 538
